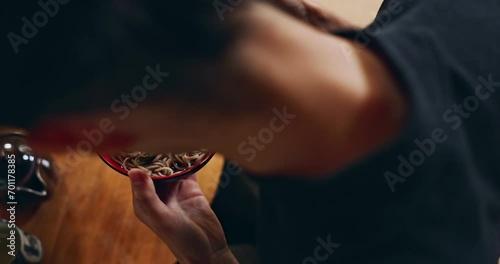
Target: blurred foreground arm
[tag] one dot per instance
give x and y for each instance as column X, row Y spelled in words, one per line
column 283, row 98
column 334, row 102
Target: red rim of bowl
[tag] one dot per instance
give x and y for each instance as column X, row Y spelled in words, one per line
column 117, row 167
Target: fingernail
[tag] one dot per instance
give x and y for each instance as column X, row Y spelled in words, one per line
column 137, row 177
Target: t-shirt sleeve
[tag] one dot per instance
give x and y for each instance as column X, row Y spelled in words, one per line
column 438, row 53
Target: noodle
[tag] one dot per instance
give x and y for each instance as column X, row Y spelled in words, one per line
column 159, row 164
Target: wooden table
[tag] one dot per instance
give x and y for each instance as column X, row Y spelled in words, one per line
column 90, row 218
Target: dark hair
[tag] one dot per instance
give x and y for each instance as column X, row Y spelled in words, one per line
column 89, row 52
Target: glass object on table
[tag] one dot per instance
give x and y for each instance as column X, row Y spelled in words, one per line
column 25, row 179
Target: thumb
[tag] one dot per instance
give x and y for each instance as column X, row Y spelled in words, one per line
column 144, row 193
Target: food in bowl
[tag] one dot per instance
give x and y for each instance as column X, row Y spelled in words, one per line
column 159, row 164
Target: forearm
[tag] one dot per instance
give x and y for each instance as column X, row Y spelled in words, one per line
column 345, row 101
column 334, row 104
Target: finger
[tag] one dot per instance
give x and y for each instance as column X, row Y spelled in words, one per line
column 144, row 193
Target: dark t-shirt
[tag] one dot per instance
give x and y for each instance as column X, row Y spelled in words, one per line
column 433, row 195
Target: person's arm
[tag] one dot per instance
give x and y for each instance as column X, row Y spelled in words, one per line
column 335, row 103
column 344, row 100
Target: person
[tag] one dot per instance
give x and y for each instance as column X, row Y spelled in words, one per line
column 371, row 145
